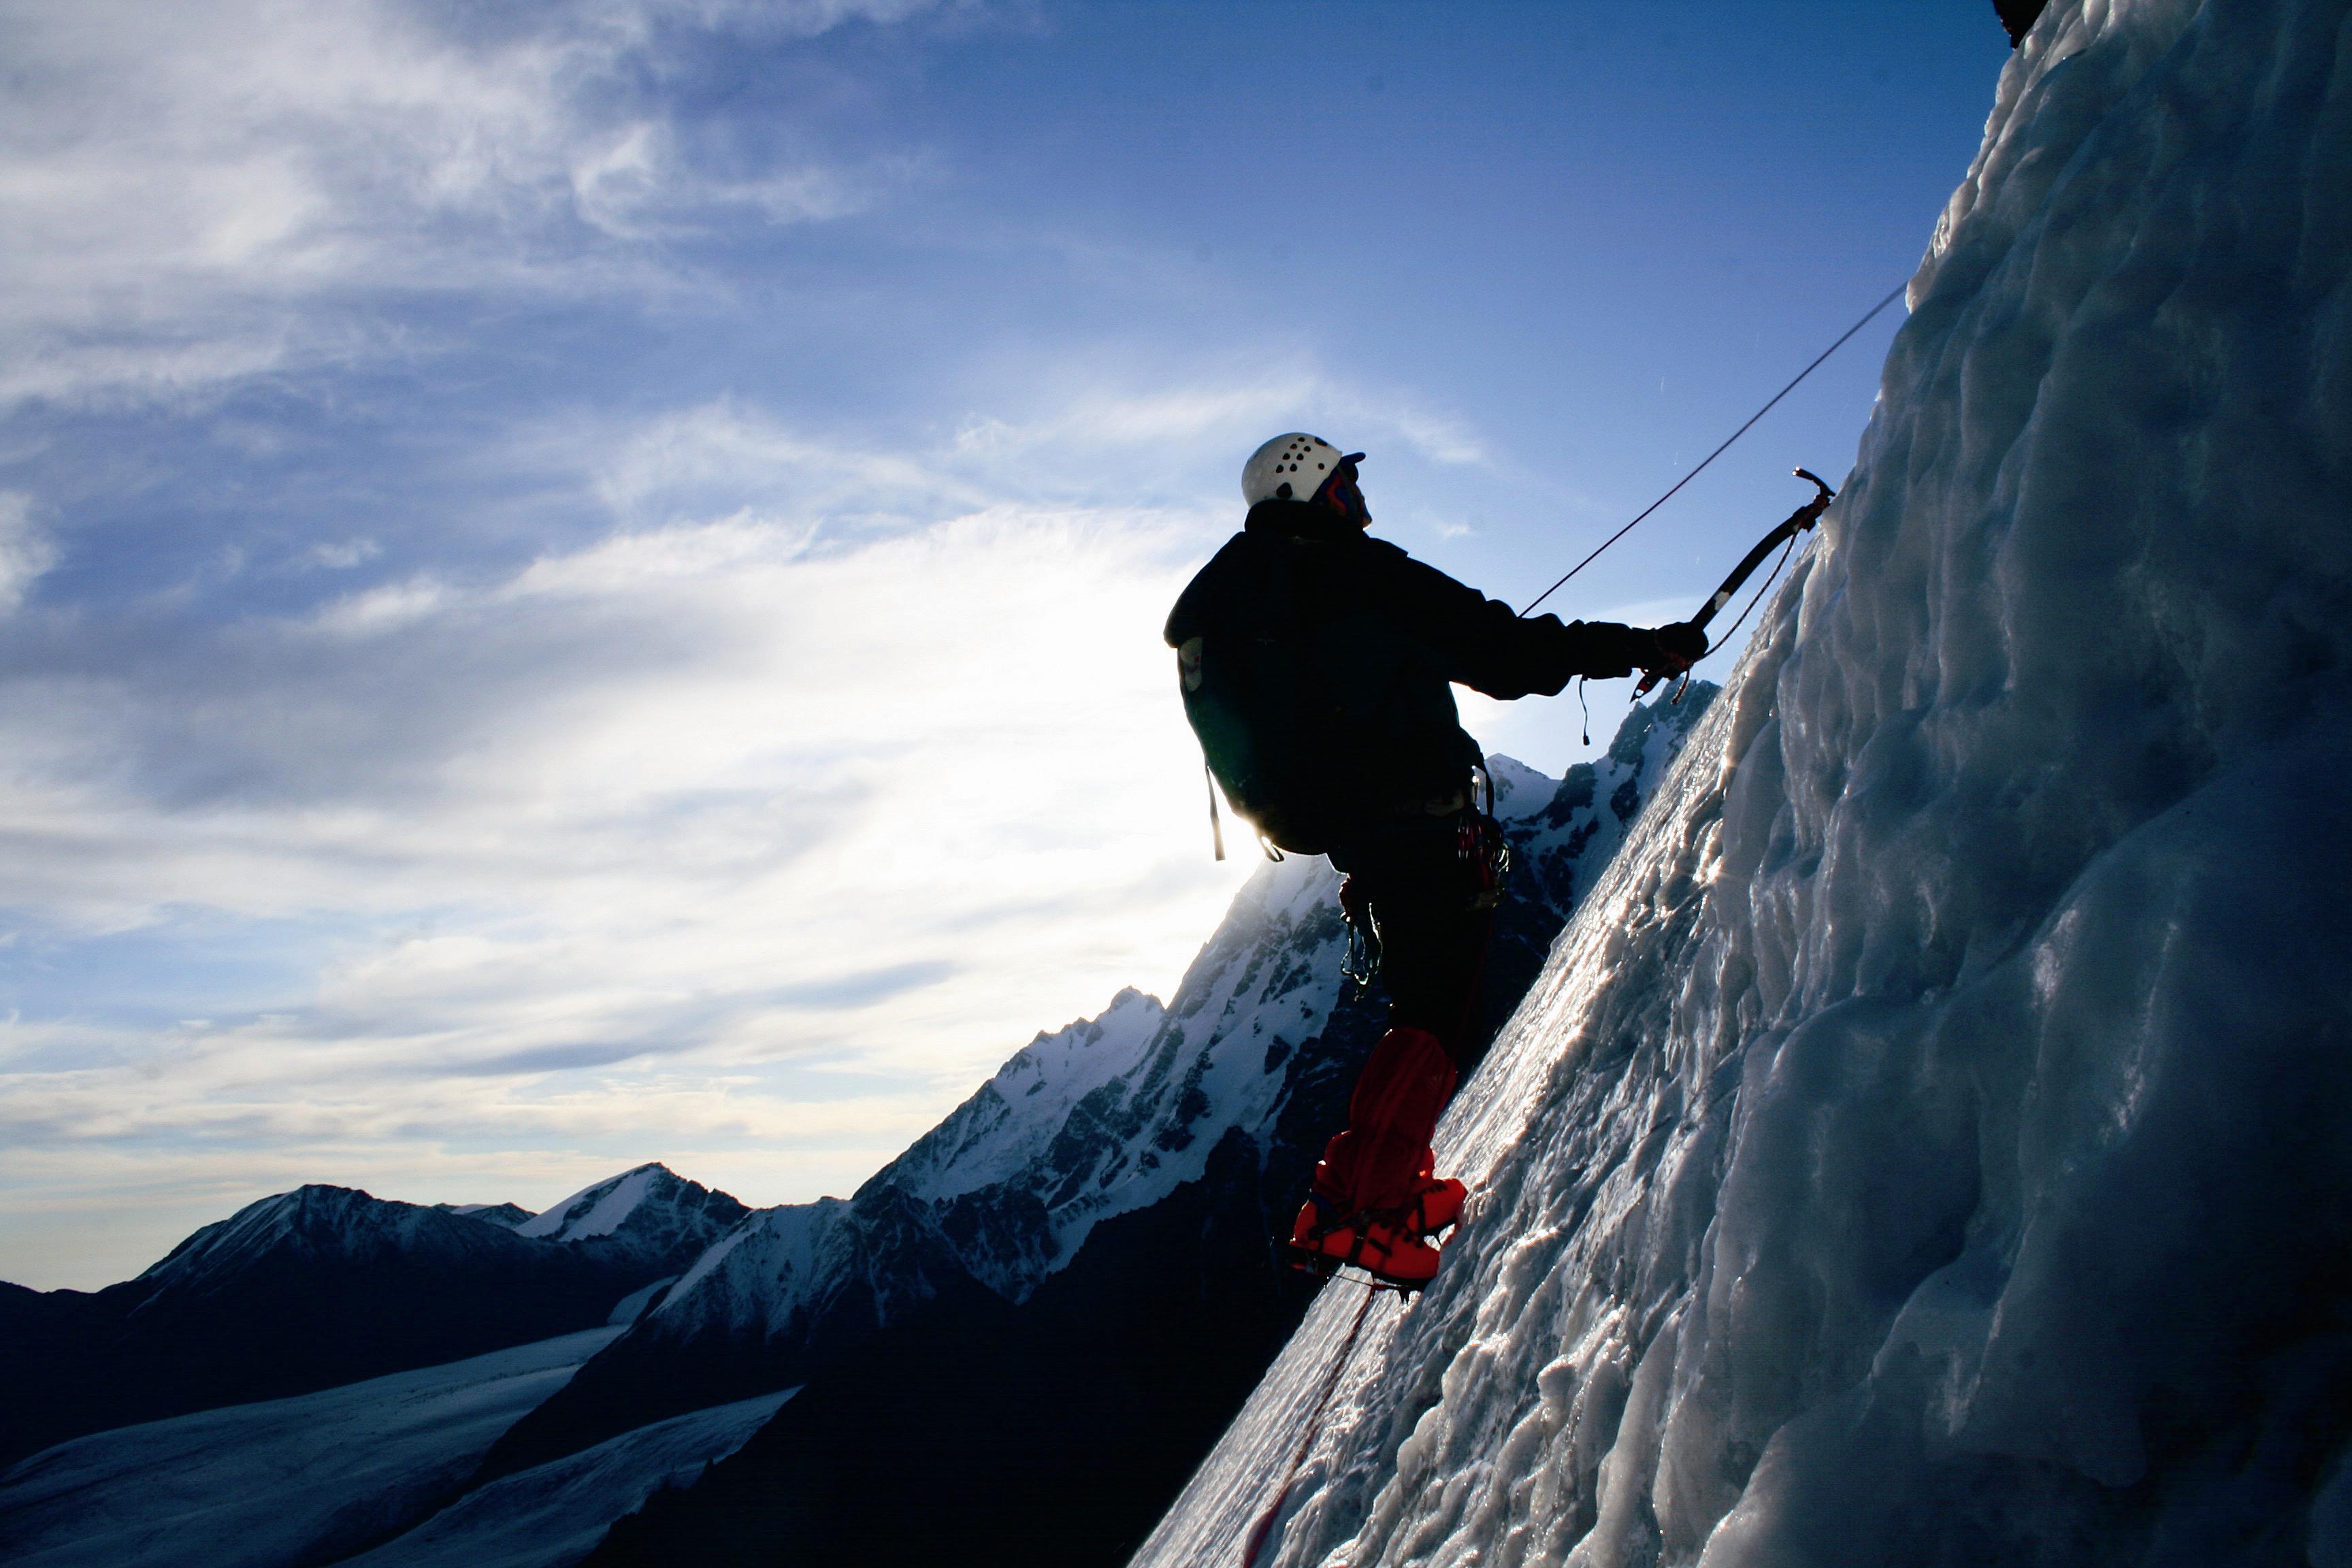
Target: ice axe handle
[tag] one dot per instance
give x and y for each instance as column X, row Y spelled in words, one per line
column 1796, row 523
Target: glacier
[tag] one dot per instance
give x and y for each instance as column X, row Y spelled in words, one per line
column 308, row 1479
column 318, row 1476
column 1927, row 1144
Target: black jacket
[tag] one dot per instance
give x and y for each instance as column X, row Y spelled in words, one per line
column 1391, row 635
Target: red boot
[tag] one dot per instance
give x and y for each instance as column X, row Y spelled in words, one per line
column 1375, row 1197
column 1326, row 1236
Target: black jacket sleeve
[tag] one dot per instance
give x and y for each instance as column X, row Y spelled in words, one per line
column 1486, row 645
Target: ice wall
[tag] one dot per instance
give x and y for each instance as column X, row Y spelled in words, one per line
column 1932, row 1140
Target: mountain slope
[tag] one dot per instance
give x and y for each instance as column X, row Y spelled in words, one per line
column 552, row 1515
column 1928, row 1143
column 1125, row 1359
column 1105, row 1118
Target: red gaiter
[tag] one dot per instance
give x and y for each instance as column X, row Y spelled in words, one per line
column 1377, row 1162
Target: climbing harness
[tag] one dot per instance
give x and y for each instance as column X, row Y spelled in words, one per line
column 1265, row 1528
column 1484, row 851
column 1868, row 317
column 1795, row 523
column 1481, row 847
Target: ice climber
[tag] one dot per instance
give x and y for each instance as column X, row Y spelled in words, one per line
column 1316, row 664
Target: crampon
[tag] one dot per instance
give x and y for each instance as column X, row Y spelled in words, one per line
column 1387, row 1250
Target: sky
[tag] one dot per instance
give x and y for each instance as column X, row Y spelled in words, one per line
column 582, row 583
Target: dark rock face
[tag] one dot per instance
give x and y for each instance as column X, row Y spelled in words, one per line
column 507, row 1214
column 310, row 1288
column 1056, row 1431
column 2017, row 16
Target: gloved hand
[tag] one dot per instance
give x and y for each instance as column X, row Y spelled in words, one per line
column 1679, row 645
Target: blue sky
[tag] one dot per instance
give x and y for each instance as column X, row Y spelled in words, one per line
column 580, row 583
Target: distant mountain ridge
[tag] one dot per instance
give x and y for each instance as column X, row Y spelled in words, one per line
column 326, row 1285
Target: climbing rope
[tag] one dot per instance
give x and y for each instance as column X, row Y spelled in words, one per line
column 1868, row 317
column 1258, row 1537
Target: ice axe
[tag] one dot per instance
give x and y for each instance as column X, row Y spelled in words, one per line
column 1796, row 523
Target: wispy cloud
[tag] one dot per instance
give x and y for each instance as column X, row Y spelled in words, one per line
column 25, row 551
column 694, row 798
column 175, row 180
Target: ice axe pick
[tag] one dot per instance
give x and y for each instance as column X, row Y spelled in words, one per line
column 1796, row 523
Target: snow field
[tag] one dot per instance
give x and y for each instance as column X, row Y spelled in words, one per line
column 278, row 1482
column 554, row 1514
column 314, row 1478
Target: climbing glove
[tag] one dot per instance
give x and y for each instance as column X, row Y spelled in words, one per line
column 1678, row 648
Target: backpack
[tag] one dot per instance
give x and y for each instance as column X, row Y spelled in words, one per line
column 1275, row 692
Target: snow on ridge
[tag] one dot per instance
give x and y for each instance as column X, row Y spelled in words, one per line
column 771, row 1264
column 598, row 1209
column 1520, row 790
column 316, row 1220
column 1925, row 1145
column 987, row 1139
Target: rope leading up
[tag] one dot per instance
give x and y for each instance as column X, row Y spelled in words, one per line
column 1869, row 316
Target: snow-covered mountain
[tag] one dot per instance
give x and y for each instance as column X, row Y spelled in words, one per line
column 323, row 1285
column 649, row 1218
column 1928, row 1142
column 1111, row 1114
column 1082, row 1259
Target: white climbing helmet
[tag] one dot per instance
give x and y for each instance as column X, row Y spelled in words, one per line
column 1290, row 467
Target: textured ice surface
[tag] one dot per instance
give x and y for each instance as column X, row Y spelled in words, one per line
column 1931, row 1142
column 304, row 1479
column 555, row 1513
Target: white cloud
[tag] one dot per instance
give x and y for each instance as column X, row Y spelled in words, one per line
column 25, row 553
column 697, row 835
column 175, row 180
column 750, row 835
column 342, row 555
